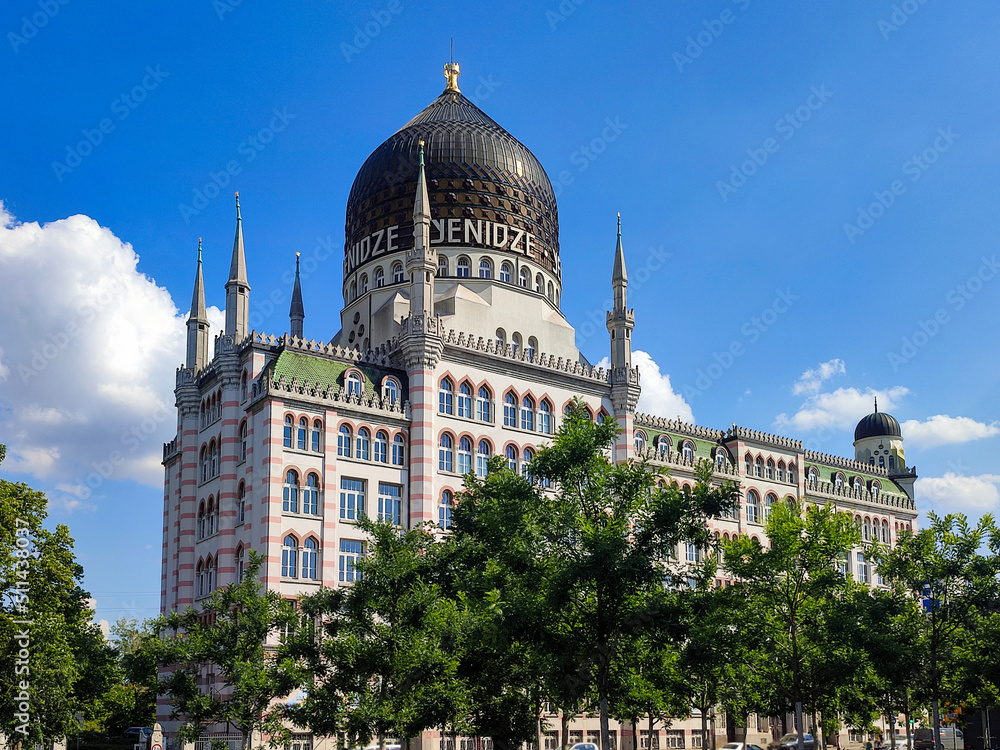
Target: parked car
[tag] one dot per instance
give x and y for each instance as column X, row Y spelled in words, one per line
column 138, row 733
column 951, row 739
column 740, row 746
column 790, row 741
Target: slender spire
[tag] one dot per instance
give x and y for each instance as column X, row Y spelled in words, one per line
column 238, row 288
column 876, row 404
column 198, row 310
column 619, row 273
column 197, row 323
column 297, row 312
column 421, row 260
column 421, row 203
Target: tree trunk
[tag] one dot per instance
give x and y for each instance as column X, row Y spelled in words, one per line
column 704, row 724
column 605, row 729
column 635, row 733
column 798, row 724
column 539, row 734
column 564, row 739
column 651, row 732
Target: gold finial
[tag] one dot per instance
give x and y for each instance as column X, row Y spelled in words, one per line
column 297, row 254
column 451, row 71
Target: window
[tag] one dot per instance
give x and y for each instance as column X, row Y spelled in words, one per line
column 444, row 509
column 748, row 462
column 240, row 564
column 350, row 551
column 344, row 441
column 515, row 343
column 688, row 450
column 446, row 397
column 769, row 473
column 532, row 347
column 200, row 575
column 301, row 433
column 241, row 504
column 675, row 738
column 353, row 381
column 290, row 496
column 390, row 503
column 397, row 273
column 545, row 417
column 482, row 458
column 838, row 481
column 210, row 518
column 464, row 456
column 465, row 401
column 201, row 521
column 463, row 268
column 505, row 271
column 640, row 441
column 390, row 391
column 539, row 284
column 379, row 278
column 501, row 340
column 316, row 442
column 203, row 463
column 309, row 550
column 791, row 473
column 863, row 569
column 310, row 496
column 442, row 266
column 858, row 484
column 813, row 476
column 364, row 283
column 885, row 532
column 526, row 459
column 352, row 498
column 692, row 553
column 876, row 488
column 524, row 278
column 485, row 269
column 446, row 456
column 753, row 507
column 720, row 458
column 511, row 455
column 381, row 447
column 769, row 502
column 209, row 575
column 867, row 533
column 243, row 441
column 759, row 467
column 483, row 399
column 663, row 445
column 354, row 291
column 781, row 471
column 243, row 387
column 397, row 450
column 551, row 293
column 363, row 444
column 509, row 410
column 527, row 413
column 213, row 459
column 289, row 557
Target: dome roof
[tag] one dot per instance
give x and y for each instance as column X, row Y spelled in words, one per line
column 877, row 424
column 475, row 170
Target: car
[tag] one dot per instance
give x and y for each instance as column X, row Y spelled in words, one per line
column 585, row 746
column 951, row 739
column 790, row 741
column 740, row 746
column 139, row 733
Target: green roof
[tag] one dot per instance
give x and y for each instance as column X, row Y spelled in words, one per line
column 328, row 373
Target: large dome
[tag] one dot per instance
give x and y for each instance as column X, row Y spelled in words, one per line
column 877, row 424
column 475, row 171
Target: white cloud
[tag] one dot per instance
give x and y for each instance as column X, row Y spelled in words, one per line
column 89, row 349
column 658, row 397
column 954, row 493
column 944, row 430
column 812, row 380
column 840, row 409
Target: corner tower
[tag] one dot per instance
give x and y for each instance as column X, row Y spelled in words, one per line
column 624, row 380
column 878, row 440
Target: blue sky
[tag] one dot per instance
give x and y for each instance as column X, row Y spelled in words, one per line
column 812, row 186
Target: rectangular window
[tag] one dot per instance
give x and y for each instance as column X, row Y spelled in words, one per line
column 509, row 414
column 350, row 551
column 352, row 498
column 465, row 405
column 390, row 503
column 299, row 742
column 644, row 740
column 862, row 568
column 675, row 738
column 527, row 419
column 483, row 409
column 552, row 741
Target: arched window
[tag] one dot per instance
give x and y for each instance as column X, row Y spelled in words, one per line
column 301, row 436
column 397, row 450
column 288, row 431
column 720, row 458
column 444, row 509
column 688, row 450
column 241, row 504
column 753, row 507
column 397, row 273
column 465, row 401
column 791, row 473
column 363, row 444
column 501, row 339
column 203, row 463
column 446, row 397
column 243, row 387
column 838, row 481
column 885, row 532
column 867, row 530
column 876, row 489
column 209, row 575
column 290, row 495
column 515, row 343
column 446, row 453
column 510, row 453
column 210, row 517
column 213, row 459
column 509, row 409
column 200, row 576
column 316, row 441
column 354, row 291
column 464, row 455
column 858, row 484
column 663, row 445
column 524, row 278
column 289, row 557
column 748, row 464
column 309, row 555
column 769, row 502
column 881, row 460
column 482, row 458
column 240, row 564
column 539, row 284
column 485, row 269
column 813, row 476
column 781, row 471
column 550, row 294
column 759, row 467
column 527, row 413
column 243, row 441
column 381, row 447
column 379, row 278
column 545, row 417
column 463, row 268
column 353, row 381
column 532, row 347
column 390, row 391
column 442, row 266
column 344, row 441
column 526, row 459
column 769, row 473
column 505, row 272
column 483, row 402
column 310, row 496
column 201, row 521
column 364, row 283
column 640, row 441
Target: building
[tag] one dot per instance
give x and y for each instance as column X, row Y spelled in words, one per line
column 452, row 348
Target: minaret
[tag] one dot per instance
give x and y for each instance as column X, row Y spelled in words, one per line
column 421, row 260
column 297, row 312
column 237, row 288
column 197, row 323
column 624, row 380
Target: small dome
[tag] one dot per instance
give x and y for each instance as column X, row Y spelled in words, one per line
column 877, row 424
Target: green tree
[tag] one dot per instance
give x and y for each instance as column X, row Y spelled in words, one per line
column 792, row 588
column 58, row 663
column 131, row 700
column 951, row 567
column 228, row 637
